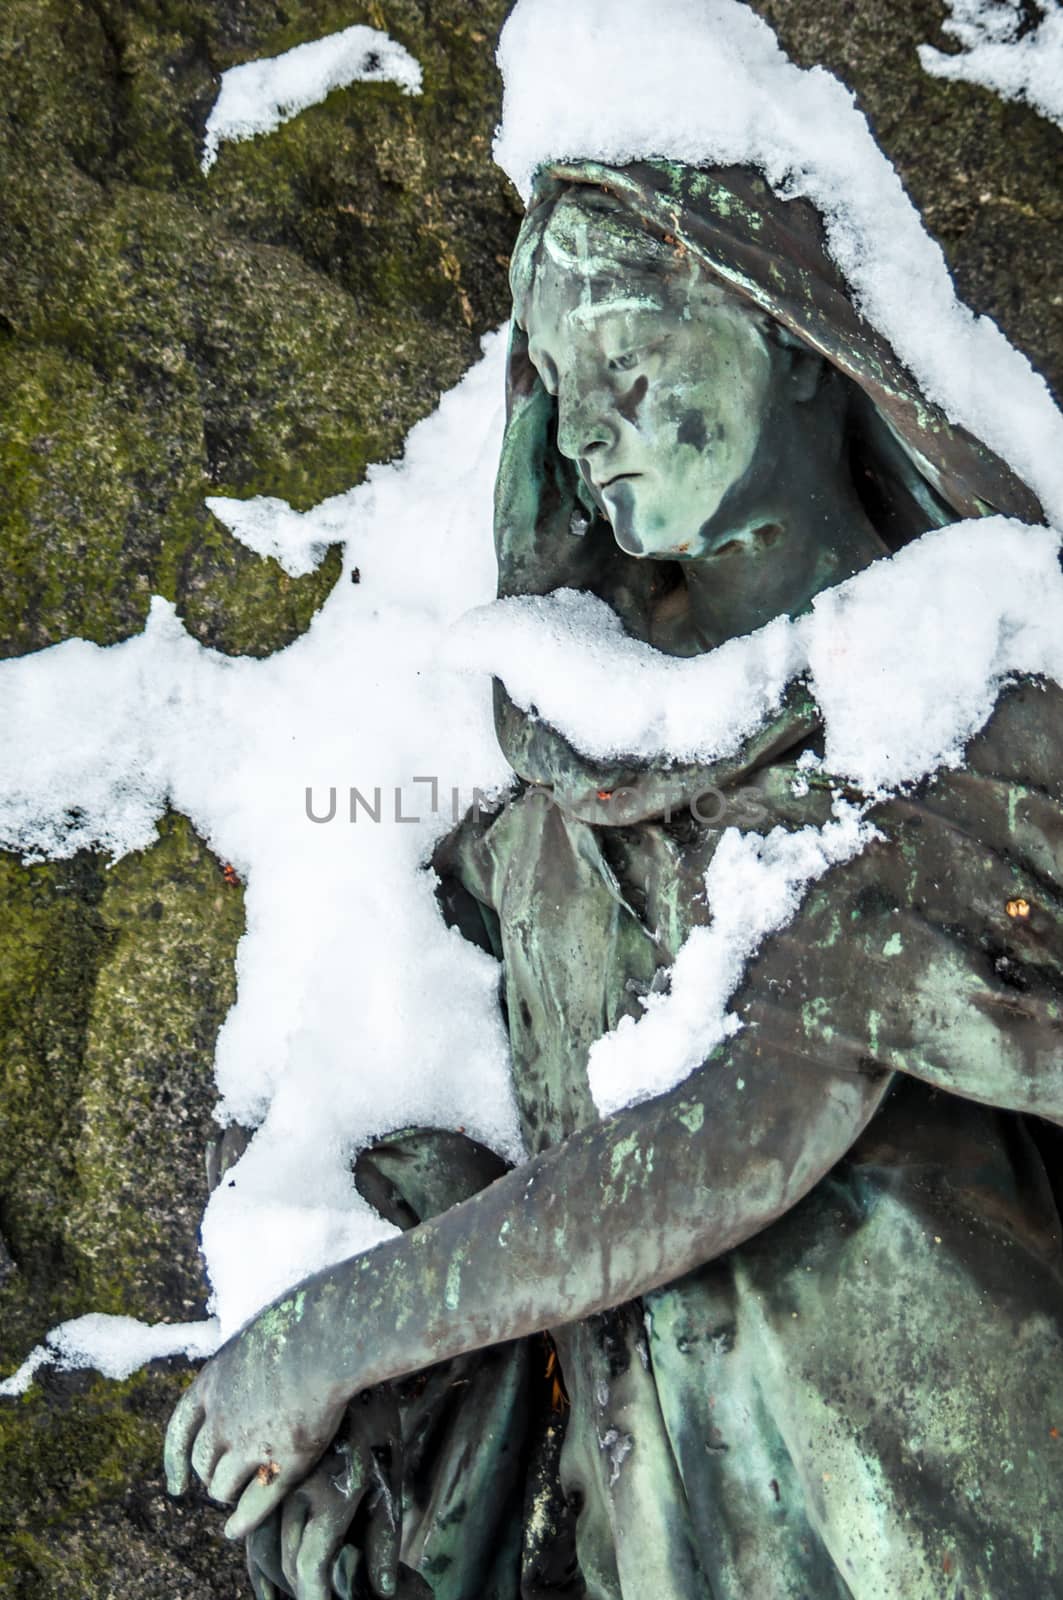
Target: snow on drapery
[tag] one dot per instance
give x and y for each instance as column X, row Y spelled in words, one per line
column 357, row 1009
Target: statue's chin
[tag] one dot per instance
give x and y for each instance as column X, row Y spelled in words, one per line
column 629, row 542
column 656, row 546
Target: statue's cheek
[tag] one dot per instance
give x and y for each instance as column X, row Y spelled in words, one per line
column 691, row 429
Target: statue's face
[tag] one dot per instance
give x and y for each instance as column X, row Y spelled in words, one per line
column 662, row 383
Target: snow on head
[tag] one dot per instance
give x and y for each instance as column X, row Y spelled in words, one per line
column 259, row 95
column 704, row 81
column 996, row 53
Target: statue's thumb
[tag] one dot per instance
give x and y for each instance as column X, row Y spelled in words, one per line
column 180, row 1435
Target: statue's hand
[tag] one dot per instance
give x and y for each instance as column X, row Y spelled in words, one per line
column 254, row 1422
column 304, row 1543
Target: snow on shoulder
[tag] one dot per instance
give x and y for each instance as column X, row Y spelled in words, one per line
column 905, row 660
column 705, row 81
column 258, row 96
column 900, row 697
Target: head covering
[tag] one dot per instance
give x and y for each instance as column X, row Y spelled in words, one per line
column 911, row 467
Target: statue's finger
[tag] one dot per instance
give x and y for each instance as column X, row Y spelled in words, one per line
column 267, row 1489
column 185, row 1423
column 345, row 1571
column 262, row 1585
column 322, row 1538
column 293, row 1523
column 382, row 1540
column 263, row 1560
column 229, row 1476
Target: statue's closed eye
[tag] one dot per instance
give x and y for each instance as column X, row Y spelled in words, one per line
column 545, row 368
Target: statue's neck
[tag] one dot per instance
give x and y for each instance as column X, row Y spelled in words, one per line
column 796, row 528
column 774, row 567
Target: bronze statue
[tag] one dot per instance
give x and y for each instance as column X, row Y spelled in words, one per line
column 795, row 1327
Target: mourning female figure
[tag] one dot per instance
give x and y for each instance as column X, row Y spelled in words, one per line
column 795, row 1327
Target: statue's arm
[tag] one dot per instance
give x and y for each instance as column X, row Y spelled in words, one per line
column 612, row 1212
column 938, row 952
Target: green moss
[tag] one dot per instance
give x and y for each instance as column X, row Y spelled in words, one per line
column 271, row 328
column 113, row 984
column 52, row 943
column 85, row 1515
column 70, row 1456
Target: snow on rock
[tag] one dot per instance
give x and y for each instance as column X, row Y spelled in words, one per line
column 754, row 886
column 705, row 81
column 114, row 1346
column 271, row 528
column 258, row 96
column 358, row 1011
column 995, row 54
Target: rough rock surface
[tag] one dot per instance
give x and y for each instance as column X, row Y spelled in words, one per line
column 271, row 328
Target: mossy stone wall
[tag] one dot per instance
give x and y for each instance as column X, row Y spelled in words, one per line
column 271, row 328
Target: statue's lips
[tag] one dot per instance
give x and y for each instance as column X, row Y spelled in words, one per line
column 619, row 477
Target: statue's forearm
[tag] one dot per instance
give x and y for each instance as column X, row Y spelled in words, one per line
column 612, row 1212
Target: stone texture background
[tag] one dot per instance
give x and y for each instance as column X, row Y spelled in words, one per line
column 272, row 328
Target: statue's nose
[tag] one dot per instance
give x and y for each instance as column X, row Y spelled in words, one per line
column 586, row 422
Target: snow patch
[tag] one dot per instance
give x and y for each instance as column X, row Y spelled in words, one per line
column 259, row 96
column 908, row 658
column 113, row 1346
column 993, row 54
column 754, row 886
column 271, row 528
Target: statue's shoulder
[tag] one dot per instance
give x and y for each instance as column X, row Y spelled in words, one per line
column 1022, row 743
